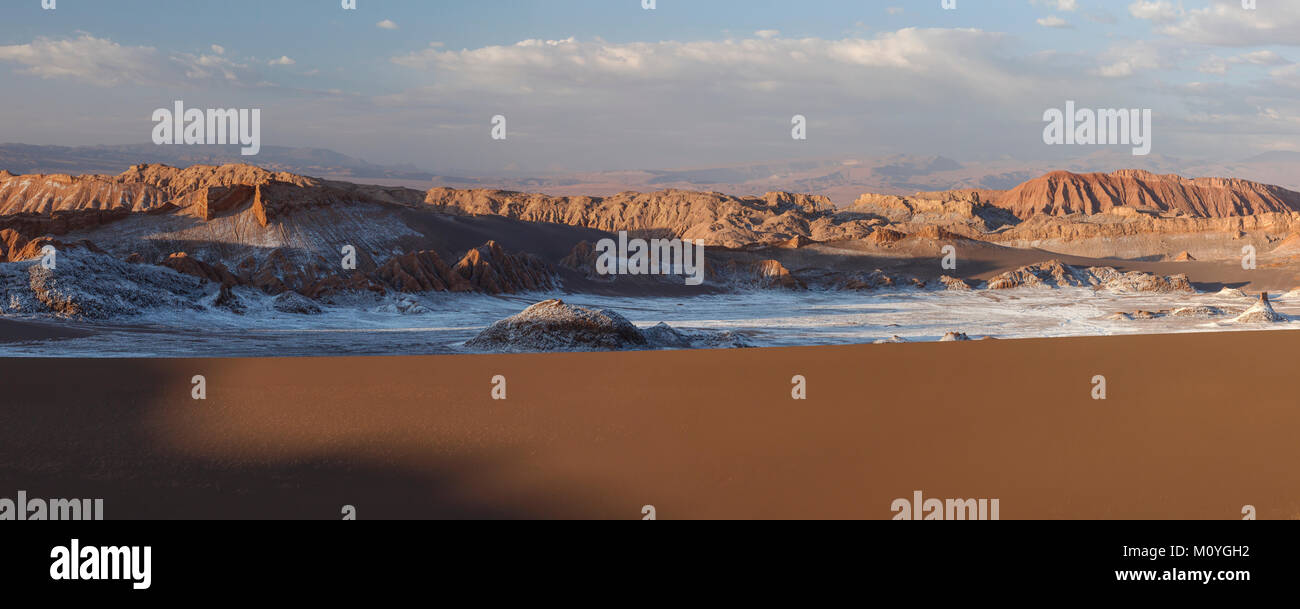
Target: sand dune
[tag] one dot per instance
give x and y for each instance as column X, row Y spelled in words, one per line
column 697, row 434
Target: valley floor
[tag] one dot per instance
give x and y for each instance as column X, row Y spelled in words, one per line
column 441, row 323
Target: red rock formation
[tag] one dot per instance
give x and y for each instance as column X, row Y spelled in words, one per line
column 202, row 190
column 582, row 258
column 716, row 218
column 1061, row 193
column 490, row 269
column 487, row 268
column 182, row 262
column 421, row 272
column 14, row 246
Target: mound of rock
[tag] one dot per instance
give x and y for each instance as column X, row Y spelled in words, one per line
column 857, row 280
column 955, row 283
column 89, row 285
column 1231, row 293
column 295, row 303
column 1044, row 274
column 227, row 299
column 664, row 336
column 1201, row 311
column 954, row 337
column 552, row 325
column 1260, row 312
column 1054, row 273
column 182, row 262
column 757, row 274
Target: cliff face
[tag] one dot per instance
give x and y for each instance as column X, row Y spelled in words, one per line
column 204, row 191
column 242, row 226
column 1062, row 193
column 716, row 218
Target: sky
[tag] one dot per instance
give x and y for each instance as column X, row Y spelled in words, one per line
column 593, row 85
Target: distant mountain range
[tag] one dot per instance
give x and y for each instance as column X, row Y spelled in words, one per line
column 113, row 160
column 840, row 180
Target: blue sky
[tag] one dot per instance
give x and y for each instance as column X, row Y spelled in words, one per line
column 691, row 83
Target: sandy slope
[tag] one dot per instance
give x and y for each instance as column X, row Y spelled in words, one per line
column 1194, row 427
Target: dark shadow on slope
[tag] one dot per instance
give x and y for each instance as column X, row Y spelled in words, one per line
column 96, row 428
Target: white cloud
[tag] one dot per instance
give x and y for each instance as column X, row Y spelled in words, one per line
column 387, row 24
column 284, row 60
column 1053, row 21
column 1261, row 58
column 1225, row 23
column 102, row 62
column 767, row 34
column 95, row 60
column 906, row 58
column 1127, row 60
column 1157, row 11
column 1060, row 5
column 1214, row 65
column 1219, row 65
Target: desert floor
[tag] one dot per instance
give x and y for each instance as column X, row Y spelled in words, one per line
column 1195, row 426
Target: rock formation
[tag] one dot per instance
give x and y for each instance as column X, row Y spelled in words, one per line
column 1061, row 193
column 1261, row 312
column 552, row 325
column 1053, row 273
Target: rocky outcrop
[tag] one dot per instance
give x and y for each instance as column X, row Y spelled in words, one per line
column 664, row 336
column 716, row 218
column 552, row 325
column 954, row 337
column 15, row 247
column 1261, row 312
column 582, row 258
column 954, row 283
column 876, row 279
column 972, row 209
column 420, row 272
column 752, row 274
column 489, row 269
column 90, row 285
column 1053, row 273
column 1061, row 193
column 292, row 302
column 216, row 273
column 204, row 191
column 227, row 299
